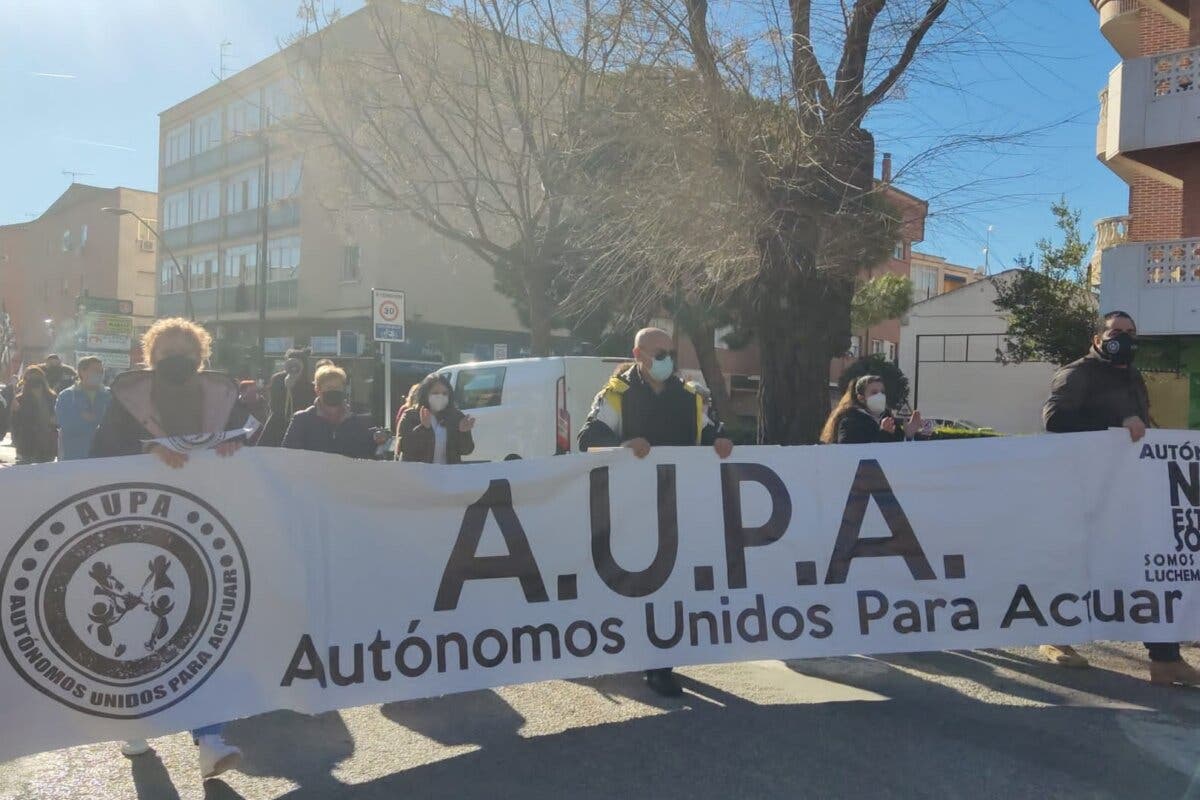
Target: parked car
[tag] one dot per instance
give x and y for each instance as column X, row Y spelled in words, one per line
column 528, row 407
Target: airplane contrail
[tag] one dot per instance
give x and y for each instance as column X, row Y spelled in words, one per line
column 52, row 75
column 96, row 144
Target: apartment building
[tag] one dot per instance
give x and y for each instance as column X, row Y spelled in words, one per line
column 237, row 181
column 1149, row 135
column 76, row 248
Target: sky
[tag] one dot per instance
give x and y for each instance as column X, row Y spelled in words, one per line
column 82, row 83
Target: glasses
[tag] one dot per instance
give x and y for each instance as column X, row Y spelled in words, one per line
column 663, row 355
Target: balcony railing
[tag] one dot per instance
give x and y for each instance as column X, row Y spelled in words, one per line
column 1118, row 24
column 230, row 154
column 1172, row 264
column 1111, row 231
column 1176, row 73
column 281, row 295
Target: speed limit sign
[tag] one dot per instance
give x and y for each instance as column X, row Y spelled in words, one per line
column 388, row 315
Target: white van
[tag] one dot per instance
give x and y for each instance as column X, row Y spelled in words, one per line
column 528, row 407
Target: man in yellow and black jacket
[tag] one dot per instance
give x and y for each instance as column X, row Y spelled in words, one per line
column 647, row 405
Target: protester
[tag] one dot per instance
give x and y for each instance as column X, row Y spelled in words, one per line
column 251, row 402
column 862, row 416
column 290, row 391
column 433, row 430
column 80, row 408
column 173, row 398
column 58, row 375
column 1099, row 391
column 410, row 401
column 34, row 430
column 328, row 425
column 647, row 405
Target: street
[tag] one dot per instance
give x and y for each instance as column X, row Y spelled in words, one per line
column 976, row 724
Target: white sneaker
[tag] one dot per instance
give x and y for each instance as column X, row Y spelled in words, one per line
column 135, row 747
column 216, row 756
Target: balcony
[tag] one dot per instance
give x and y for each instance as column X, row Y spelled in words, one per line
column 1150, row 103
column 1110, row 232
column 281, row 296
column 1119, row 24
column 1157, row 282
column 230, row 154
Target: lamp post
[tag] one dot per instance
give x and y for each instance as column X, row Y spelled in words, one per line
column 264, row 198
column 183, row 276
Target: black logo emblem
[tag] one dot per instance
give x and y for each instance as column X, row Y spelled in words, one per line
column 122, row 600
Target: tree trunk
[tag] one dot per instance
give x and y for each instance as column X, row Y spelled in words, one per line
column 703, row 337
column 537, row 288
column 803, row 319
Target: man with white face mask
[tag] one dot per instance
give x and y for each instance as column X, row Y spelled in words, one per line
column 647, row 405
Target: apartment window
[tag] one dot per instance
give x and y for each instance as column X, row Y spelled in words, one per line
column 243, row 117
column 175, row 210
column 882, row 347
column 206, row 133
column 925, row 283
column 855, row 346
column 350, row 256
column 241, row 265
column 285, row 180
column 178, row 145
column 898, row 251
column 66, row 241
column 143, row 233
column 168, row 277
column 283, row 258
column 241, row 193
column 82, row 236
column 206, row 202
column 278, row 102
column 204, row 271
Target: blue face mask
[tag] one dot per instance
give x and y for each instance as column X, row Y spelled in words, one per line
column 662, row 368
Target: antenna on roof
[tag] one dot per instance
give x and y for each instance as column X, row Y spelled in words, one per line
column 222, row 70
column 76, row 174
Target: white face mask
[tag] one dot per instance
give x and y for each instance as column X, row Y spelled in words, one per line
column 438, row 402
column 877, row 403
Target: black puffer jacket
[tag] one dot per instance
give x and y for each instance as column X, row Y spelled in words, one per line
column 857, row 426
column 417, row 444
column 628, row 408
column 1092, row 395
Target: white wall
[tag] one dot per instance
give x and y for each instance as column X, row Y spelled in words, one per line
column 1007, row 397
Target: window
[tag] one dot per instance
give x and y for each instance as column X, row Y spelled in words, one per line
column 855, row 346
column 278, row 102
column 66, row 241
column 175, row 211
column 479, row 388
column 285, row 180
column 884, row 348
column 243, row 117
column 166, row 278
column 241, row 193
column 204, row 271
column 898, row 251
column 143, row 233
column 206, row 133
column 206, row 202
column 241, row 264
column 925, row 283
column 178, row 141
column 350, row 256
column 283, row 258
column 82, row 236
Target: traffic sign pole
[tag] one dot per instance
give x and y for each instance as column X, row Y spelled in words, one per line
column 387, row 385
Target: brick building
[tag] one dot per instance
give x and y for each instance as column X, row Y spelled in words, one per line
column 74, row 248
column 1149, row 135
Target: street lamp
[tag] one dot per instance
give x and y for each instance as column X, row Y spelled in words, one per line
column 264, row 199
column 187, row 288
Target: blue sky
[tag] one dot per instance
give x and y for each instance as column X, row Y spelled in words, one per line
column 130, row 59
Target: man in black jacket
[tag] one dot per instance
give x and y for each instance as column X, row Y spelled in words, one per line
column 1099, row 391
column 648, row 405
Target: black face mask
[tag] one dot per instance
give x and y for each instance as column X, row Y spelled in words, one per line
column 177, row 369
column 1120, row 350
column 333, row 398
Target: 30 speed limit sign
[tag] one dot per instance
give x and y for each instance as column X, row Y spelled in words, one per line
column 388, row 315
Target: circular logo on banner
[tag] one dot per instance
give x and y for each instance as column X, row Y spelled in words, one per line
column 389, row 311
column 121, row 601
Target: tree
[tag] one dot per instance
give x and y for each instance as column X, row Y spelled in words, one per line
column 1050, row 307
column 461, row 115
column 884, row 297
column 788, row 145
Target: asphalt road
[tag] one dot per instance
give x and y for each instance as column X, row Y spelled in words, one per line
column 978, row 724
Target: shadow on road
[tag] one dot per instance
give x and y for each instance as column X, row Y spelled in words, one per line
column 151, row 779
column 492, row 720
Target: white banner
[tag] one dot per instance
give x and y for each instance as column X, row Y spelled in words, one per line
column 140, row 600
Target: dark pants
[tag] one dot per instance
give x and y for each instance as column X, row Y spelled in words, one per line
column 1164, row 651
